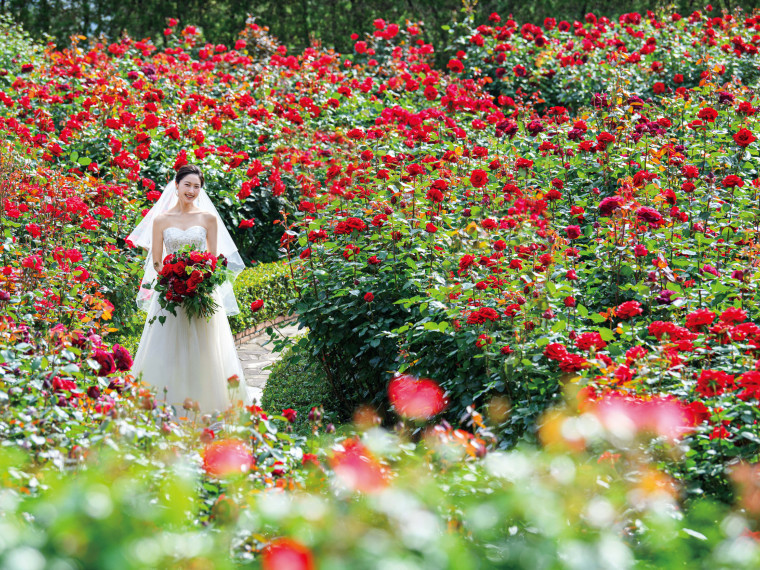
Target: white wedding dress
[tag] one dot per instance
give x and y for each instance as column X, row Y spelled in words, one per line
column 190, row 358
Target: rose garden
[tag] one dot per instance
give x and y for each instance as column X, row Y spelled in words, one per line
column 525, row 264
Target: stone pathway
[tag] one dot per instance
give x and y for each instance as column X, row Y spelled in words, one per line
column 256, row 356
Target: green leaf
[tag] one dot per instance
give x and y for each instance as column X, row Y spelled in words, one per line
column 559, row 326
column 606, row 334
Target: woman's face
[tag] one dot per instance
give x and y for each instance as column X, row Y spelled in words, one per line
column 189, row 188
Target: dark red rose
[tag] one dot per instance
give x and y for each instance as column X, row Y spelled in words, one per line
column 122, row 358
column 180, row 288
column 290, row 414
column 649, row 215
column 609, row 205
column 106, row 362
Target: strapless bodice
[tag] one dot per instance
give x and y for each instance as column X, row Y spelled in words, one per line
column 175, row 238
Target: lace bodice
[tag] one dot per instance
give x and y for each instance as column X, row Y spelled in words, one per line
column 175, row 238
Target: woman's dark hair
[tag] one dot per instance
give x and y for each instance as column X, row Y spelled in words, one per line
column 187, row 170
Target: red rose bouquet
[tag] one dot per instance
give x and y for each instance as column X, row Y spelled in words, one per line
column 188, row 279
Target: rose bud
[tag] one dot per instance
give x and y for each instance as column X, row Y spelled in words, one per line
column 188, row 404
column 5, row 296
column 315, row 415
column 256, row 305
column 207, row 435
column 233, row 381
column 330, row 428
column 93, row 392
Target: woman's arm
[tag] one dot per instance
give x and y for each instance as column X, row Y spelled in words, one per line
column 211, row 238
column 157, row 244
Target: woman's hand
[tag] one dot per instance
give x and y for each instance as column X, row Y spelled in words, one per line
column 158, row 266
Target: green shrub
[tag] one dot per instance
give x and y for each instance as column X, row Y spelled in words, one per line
column 298, row 381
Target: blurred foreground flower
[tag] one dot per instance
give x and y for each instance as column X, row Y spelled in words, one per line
column 227, row 457
column 287, row 554
column 357, row 468
column 625, row 416
column 416, row 398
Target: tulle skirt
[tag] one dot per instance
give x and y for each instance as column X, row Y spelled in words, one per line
column 190, row 358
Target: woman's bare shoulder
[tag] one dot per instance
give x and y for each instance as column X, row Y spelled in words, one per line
column 160, row 220
column 209, row 219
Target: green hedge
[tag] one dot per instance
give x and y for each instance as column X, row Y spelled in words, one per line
column 269, row 282
column 298, row 381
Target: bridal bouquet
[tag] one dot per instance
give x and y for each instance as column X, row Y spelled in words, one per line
column 188, row 279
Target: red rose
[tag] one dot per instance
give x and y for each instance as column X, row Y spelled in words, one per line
column 609, row 205
column 714, row 383
column 588, row 340
column 287, row 553
column 369, row 297
column 573, row 232
column 699, row 318
column 649, row 215
column 555, row 351
column 478, row 178
column 106, row 362
column 290, row 414
column 744, row 138
column 256, row 305
column 455, row 66
column 122, row 358
column 731, row 181
column 417, row 398
column 708, row 114
column 629, row 309
column 572, row 363
column 227, row 458
column 180, row 288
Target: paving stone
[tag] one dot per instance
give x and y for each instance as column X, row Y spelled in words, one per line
column 257, row 357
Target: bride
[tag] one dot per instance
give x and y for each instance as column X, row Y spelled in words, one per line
column 188, row 358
